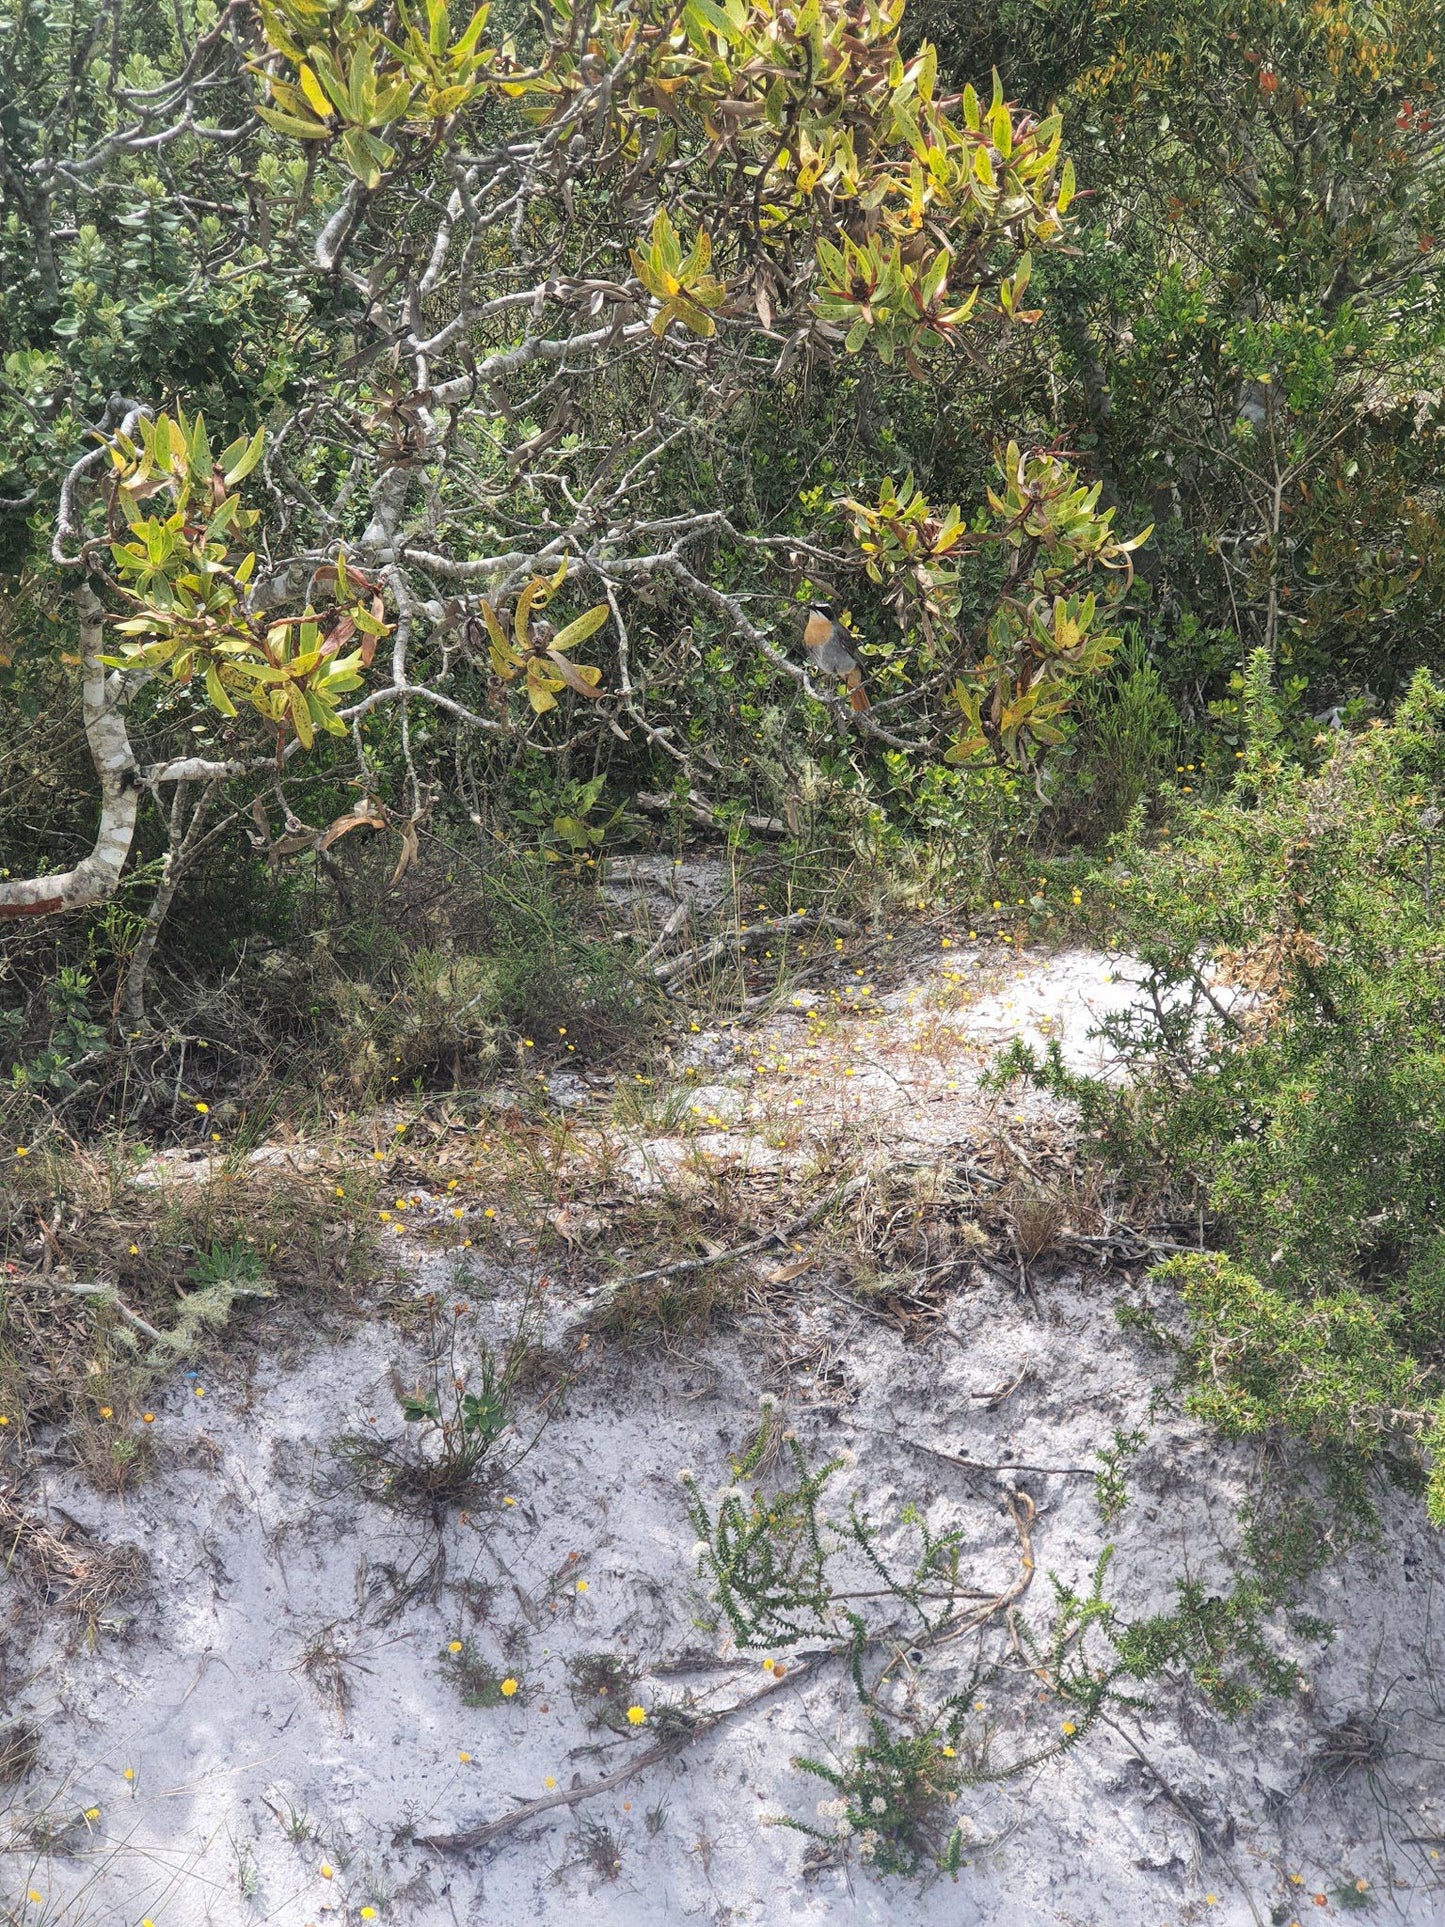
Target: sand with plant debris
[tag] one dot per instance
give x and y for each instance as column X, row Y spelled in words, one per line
column 268, row 1730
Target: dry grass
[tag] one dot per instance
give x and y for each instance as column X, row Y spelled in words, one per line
column 1035, row 1215
column 67, row 1568
column 603, row 1687
column 19, row 1750
column 101, row 1265
column 326, row 1662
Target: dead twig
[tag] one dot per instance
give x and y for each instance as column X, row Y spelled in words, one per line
column 981, row 1465
column 486, row 1831
column 1022, row 1512
column 761, row 1243
column 112, row 1297
column 673, row 924
column 701, row 811
column 742, row 936
column 998, row 1393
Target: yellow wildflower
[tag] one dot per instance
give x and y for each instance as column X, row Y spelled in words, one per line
column 636, row 1715
column 508, row 1688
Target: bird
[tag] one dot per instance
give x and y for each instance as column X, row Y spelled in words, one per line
column 826, row 641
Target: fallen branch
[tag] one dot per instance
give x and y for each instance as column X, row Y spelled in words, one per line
column 486, row 1831
column 809, row 1218
column 741, row 937
column 701, row 811
column 674, row 923
column 981, row 1465
column 1022, row 1512
column 111, row 1297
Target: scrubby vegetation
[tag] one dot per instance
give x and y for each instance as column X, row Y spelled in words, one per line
column 426, row 439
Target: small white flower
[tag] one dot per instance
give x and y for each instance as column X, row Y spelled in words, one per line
column 767, row 1402
column 701, row 1549
column 877, row 1804
column 832, row 1809
column 847, row 1458
column 687, row 1476
column 732, row 1492
column 767, row 1820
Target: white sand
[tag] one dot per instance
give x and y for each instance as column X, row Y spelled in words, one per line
column 260, row 1542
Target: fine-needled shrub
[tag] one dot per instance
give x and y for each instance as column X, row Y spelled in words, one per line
column 1286, row 1075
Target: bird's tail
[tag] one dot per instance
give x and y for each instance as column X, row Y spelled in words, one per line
column 857, row 694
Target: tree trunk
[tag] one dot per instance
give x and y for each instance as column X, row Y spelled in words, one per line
column 97, row 876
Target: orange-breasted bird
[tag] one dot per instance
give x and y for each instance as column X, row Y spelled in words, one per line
column 826, row 641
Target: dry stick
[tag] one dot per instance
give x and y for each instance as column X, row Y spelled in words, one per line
column 978, row 1465
column 809, row 1218
column 999, row 1393
column 669, row 929
column 1021, row 1511
column 1203, row 1833
column 709, row 952
column 109, row 1293
column 486, row 1831
column 1146, row 1246
column 701, row 811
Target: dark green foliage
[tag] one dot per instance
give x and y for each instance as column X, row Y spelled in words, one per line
column 477, row 1680
column 1217, row 1639
column 776, row 1570
column 1123, row 747
column 895, row 1793
column 766, row 1555
column 1287, row 1075
column 1111, row 1482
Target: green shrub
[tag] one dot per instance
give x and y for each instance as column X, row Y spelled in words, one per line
column 1287, row 1077
column 1330, row 1370
column 1124, row 743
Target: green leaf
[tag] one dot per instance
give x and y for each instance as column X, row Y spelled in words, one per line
column 301, row 130
column 248, row 460
column 216, row 694
column 581, row 627
column 367, row 158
